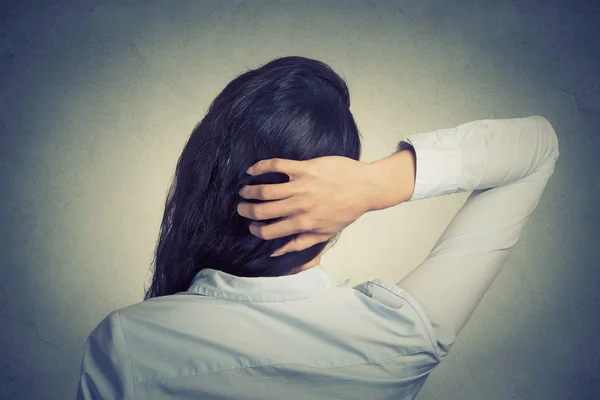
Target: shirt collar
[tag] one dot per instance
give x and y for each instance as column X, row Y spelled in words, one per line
column 307, row 283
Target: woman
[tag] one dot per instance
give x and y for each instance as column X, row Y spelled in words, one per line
column 224, row 320
column 294, row 108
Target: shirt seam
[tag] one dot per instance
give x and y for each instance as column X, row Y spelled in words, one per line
column 433, row 344
column 383, row 287
column 145, row 381
column 128, row 354
column 214, row 294
column 414, row 309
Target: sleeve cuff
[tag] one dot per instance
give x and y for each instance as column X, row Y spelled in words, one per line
column 438, row 163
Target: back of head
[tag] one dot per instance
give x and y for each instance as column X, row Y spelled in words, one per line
column 292, row 107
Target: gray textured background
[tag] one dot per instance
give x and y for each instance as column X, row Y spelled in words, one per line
column 98, row 99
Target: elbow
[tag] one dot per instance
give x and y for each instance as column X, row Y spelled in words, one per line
column 549, row 136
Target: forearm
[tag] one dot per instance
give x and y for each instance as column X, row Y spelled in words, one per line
column 506, row 164
column 392, row 179
column 473, row 156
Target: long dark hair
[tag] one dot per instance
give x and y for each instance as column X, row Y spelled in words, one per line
column 292, row 107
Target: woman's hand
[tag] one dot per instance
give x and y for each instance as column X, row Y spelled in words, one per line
column 324, row 195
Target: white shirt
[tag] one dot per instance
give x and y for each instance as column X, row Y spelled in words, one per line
column 307, row 336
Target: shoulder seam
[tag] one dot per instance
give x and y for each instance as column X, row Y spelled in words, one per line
column 128, row 353
column 402, row 291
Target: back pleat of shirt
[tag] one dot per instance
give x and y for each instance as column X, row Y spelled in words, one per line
column 342, row 342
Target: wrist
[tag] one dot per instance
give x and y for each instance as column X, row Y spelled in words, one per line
column 392, row 179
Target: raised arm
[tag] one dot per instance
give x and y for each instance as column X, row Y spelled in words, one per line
column 506, row 163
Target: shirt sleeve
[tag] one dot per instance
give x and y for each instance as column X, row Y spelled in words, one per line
column 106, row 369
column 506, row 164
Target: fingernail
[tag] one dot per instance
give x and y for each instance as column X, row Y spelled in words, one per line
column 276, row 254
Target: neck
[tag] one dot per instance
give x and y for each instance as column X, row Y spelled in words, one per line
column 312, row 263
column 315, row 261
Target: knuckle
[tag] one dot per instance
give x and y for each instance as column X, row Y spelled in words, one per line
column 264, row 232
column 255, row 213
column 263, row 192
column 260, row 212
column 276, row 163
column 305, row 206
column 304, row 224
